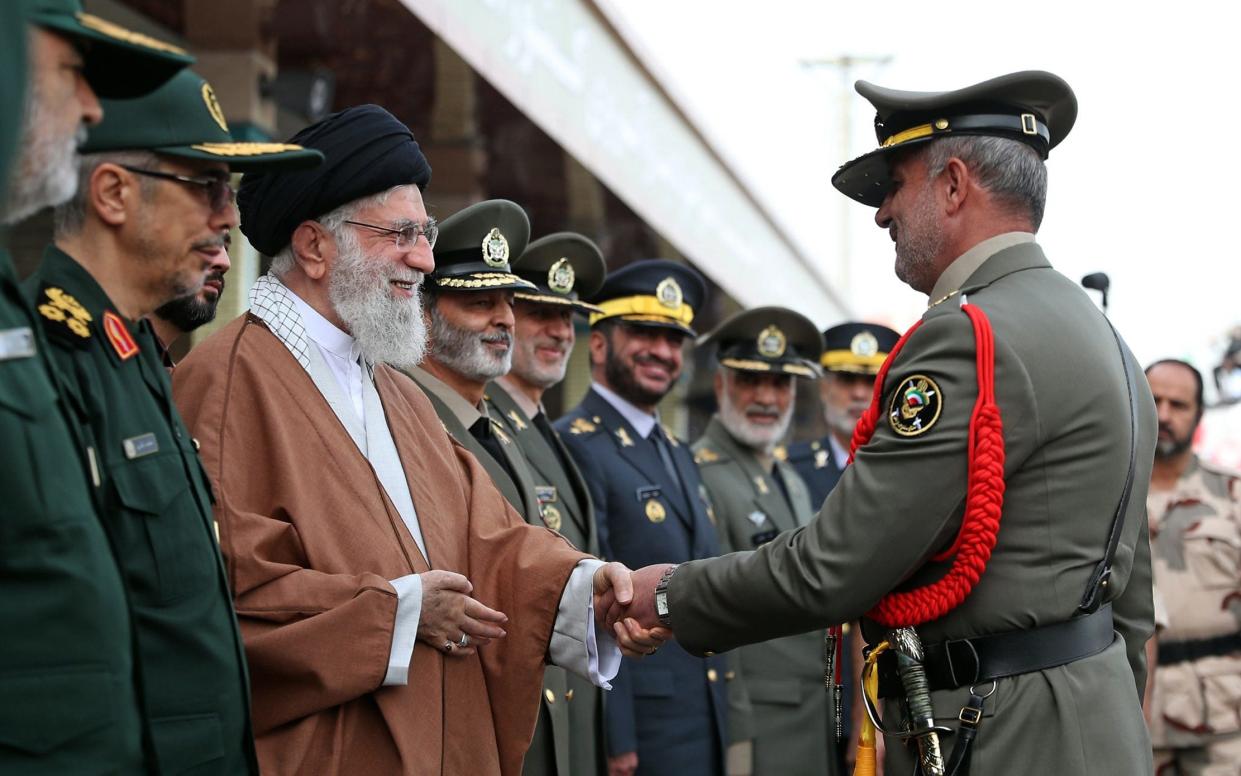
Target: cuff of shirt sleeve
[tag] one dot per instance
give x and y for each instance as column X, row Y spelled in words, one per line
column 575, row 646
column 405, row 630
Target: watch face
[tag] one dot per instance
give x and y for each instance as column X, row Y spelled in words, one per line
column 661, row 604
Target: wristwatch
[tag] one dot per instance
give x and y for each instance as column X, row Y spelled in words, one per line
column 661, row 597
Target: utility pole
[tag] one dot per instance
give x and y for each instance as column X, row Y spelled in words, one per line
column 846, row 67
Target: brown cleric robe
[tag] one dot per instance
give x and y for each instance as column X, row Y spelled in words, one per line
column 311, row 539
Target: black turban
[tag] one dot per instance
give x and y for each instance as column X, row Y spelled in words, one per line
column 366, row 150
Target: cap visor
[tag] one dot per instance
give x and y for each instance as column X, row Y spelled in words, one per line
column 120, row 63
column 576, row 304
column 653, row 322
column 484, row 281
column 250, row 157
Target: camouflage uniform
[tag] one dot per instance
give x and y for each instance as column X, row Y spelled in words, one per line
column 1196, row 548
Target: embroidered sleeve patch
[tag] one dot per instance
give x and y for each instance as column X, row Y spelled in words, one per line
column 915, row 406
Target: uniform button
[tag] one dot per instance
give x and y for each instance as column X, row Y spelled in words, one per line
column 550, row 696
column 569, row 695
column 713, row 675
column 708, row 653
column 730, row 675
column 197, row 446
column 844, row 629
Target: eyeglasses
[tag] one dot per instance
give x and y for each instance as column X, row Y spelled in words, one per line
column 219, row 191
column 407, row 237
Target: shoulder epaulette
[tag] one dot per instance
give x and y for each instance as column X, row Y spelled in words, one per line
column 581, row 426
column 64, row 317
column 706, row 455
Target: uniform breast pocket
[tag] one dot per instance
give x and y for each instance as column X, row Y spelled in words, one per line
column 1213, row 552
column 164, row 547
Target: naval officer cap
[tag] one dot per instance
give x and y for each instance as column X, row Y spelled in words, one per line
column 564, row 267
column 366, row 150
column 118, row 62
column 475, row 245
column 857, row 348
column 653, row 292
column 182, row 118
column 1033, row 107
column 774, row 340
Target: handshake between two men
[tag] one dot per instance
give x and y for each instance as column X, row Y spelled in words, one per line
column 455, row 623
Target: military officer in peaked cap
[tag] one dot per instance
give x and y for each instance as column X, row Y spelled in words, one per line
column 667, row 714
column 564, row 267
column 469, row 304
column 68, row 682
column 153, row 208
column 852, row 354
column 991, row 528
column 779, row 702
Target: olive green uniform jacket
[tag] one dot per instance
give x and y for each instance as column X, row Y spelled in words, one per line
column 564, row 502
column 66, row 662
column 780, row 701
column 156, row 507
column 1066, row 413
column 549, row 750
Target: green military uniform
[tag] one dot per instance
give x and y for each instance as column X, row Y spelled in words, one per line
column 66, row 666
column 563, row 267
column 500, row 228
column 154, row 494
column 1063, row 388
column 780, row 701
column 1195, row 535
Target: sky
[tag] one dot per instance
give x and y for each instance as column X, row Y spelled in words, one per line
column 1140, row 189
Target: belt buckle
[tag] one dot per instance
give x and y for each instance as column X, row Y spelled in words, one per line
column 970, row 716
column 964, row 648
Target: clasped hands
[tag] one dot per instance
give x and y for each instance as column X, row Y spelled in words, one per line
column 456, row 624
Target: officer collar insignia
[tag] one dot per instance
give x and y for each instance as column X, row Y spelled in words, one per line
column 213, row 106
column 669, row 293
column 560, row 277
column 118, row 335
column 761, row 484
column 623, row 436
column 772, row 342
column 64, row 308
column 518, row 423
column 915, row 406
column 781, row 453
column 706, row 455
column 495, row 249
column 581, row 426
column 864, row 344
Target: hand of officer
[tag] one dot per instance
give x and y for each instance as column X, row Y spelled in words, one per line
column 451, row 621
column 613, row 587
column 642, row 607
column 623, row 764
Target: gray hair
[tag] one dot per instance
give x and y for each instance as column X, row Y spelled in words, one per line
column 334, row 222
column 1009, row 169
column 69, row 218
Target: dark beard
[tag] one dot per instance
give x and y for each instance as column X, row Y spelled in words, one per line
column 188, row 313
column 1172, row 447
column 621, row 381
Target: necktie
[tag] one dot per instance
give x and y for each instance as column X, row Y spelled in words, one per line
column 481, row 430
column 665, row 454
column 549, row 435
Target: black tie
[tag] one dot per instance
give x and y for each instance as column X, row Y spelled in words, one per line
column 482, row 431
column 665, row 454
column 549, row 435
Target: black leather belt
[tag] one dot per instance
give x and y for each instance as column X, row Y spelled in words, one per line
column 963, row 662
column 1180, row 651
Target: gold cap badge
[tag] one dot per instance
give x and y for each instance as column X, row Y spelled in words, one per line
column 864, row 344
column 772, row 342
column 495, row 249
column 669, row 293
column 560, row 277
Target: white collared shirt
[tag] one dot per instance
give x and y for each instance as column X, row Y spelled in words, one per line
column 340, row 352
column 641, row 421
column 840, row 453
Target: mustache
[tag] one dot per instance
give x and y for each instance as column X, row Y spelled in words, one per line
column 762, row 409
column 407, row 275
column 222, row 241
column 500, row 337
column 648, row 358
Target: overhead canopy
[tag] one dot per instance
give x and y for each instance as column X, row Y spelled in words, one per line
column 576, row 78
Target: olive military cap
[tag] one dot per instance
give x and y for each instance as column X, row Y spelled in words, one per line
column 857, row 348
column 767, row 339
column 182, row 118
column 1033, row 107
column 119, row 62
column 474, row 246
column 653, row 292
column 564, row 267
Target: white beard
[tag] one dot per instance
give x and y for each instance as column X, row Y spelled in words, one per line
column 388, row 329
column 752, row 435
column 46, row 172
column 464, row 352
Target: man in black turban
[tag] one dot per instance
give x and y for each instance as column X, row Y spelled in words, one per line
column 338, row 491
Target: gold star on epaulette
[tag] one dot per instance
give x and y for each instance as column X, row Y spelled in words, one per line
column 706, row 455
column 518, row 423
column 781, row 453
column 64, row 308
column 582, row 426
